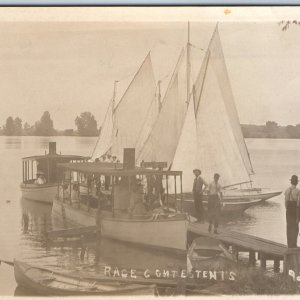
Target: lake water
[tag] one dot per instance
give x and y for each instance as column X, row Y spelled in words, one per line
column 23, row 223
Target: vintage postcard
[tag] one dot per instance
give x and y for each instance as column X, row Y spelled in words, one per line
column 149, row 151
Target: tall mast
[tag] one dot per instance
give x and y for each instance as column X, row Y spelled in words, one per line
column 114, row 94
column 188, row 65
column 159, row 96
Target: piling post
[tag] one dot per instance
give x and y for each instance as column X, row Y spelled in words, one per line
column 263, row 261
column 252, row 258
column 276, row 265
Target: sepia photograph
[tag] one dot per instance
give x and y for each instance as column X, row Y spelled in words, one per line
column 149, row 151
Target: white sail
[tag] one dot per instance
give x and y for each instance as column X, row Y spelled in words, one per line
column 218, row 60
column 185, row 157
column 104, row 141
column 219, row 148
column 162, row 142
column 131, row 111
column 148, row 124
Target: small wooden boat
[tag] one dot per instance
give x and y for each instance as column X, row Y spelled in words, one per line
column 229, row 207
column 45, row 282
column 207, row 253
column 45, row 167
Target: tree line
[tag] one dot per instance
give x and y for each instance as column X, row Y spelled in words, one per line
column 271, row 130
column 86, row 125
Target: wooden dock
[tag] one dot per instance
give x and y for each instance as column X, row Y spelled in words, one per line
column 257, row 248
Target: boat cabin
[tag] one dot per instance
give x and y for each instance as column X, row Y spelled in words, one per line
column 122, row 189
column 46, row 165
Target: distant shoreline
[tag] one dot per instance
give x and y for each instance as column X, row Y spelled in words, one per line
column 271, row 130
column 74, row 135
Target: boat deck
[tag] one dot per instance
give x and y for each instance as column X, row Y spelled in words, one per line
column 258, row 248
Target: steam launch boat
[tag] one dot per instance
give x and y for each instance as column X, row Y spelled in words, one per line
column 125, row 202
column 40, row 174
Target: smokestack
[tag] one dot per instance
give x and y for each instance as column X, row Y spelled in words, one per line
column 129, row 158
column 52, row 148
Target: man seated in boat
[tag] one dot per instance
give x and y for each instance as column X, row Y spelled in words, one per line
column 137, row 207
column 40, row 178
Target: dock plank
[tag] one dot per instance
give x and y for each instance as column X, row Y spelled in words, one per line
column 244, row 241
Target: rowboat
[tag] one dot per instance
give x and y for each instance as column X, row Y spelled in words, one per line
column 207, row 253
column 234, row 201
column 229, row 207
column 49, row 283
column 44, row 166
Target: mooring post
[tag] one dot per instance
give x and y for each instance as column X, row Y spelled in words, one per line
column 263, row 261
column 252, row 258
column 276, row 265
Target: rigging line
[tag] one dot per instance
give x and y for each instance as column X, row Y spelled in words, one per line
column 126, row 76
column 197, row 47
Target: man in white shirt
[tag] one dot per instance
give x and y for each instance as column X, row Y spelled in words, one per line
column 40, row 178
column 292, row 205
column 214, row 203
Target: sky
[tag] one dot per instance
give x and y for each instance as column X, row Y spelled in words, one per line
column 70, row 67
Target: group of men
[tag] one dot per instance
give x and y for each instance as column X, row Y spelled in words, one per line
column 215, row 197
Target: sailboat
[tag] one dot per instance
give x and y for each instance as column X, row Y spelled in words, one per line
column 127, row 123
column 196, row 125
column 203, row 130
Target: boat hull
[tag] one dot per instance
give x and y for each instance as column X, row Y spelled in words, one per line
column 168, row 233
column 41, row 193
column 47, row 283
column 251, row 194
column 228, row 207
column 234, row 202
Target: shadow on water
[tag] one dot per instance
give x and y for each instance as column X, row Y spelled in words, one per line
column 22, row 292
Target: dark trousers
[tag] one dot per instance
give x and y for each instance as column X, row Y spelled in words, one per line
column 214, row 209
column 107, row 183
column 199, row 206
column 292, row 226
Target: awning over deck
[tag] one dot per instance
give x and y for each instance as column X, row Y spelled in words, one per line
column 55, row 156
column 113, row 169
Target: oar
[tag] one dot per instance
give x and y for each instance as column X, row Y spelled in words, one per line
column 11, row 263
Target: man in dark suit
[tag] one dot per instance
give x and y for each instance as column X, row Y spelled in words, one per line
column 198, row 188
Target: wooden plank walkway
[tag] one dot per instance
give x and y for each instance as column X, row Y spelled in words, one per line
column 240, row 242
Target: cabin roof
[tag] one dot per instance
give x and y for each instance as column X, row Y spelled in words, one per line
column 55, row 156
column 112, row 169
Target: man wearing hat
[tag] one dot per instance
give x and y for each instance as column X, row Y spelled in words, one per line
column 292, row 203
column 198, row 187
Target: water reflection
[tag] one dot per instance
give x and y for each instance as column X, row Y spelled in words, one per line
column 85, row 253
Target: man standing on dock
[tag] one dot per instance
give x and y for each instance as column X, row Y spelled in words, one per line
column 292, row 203
column 214, row 203
column 198, row 187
